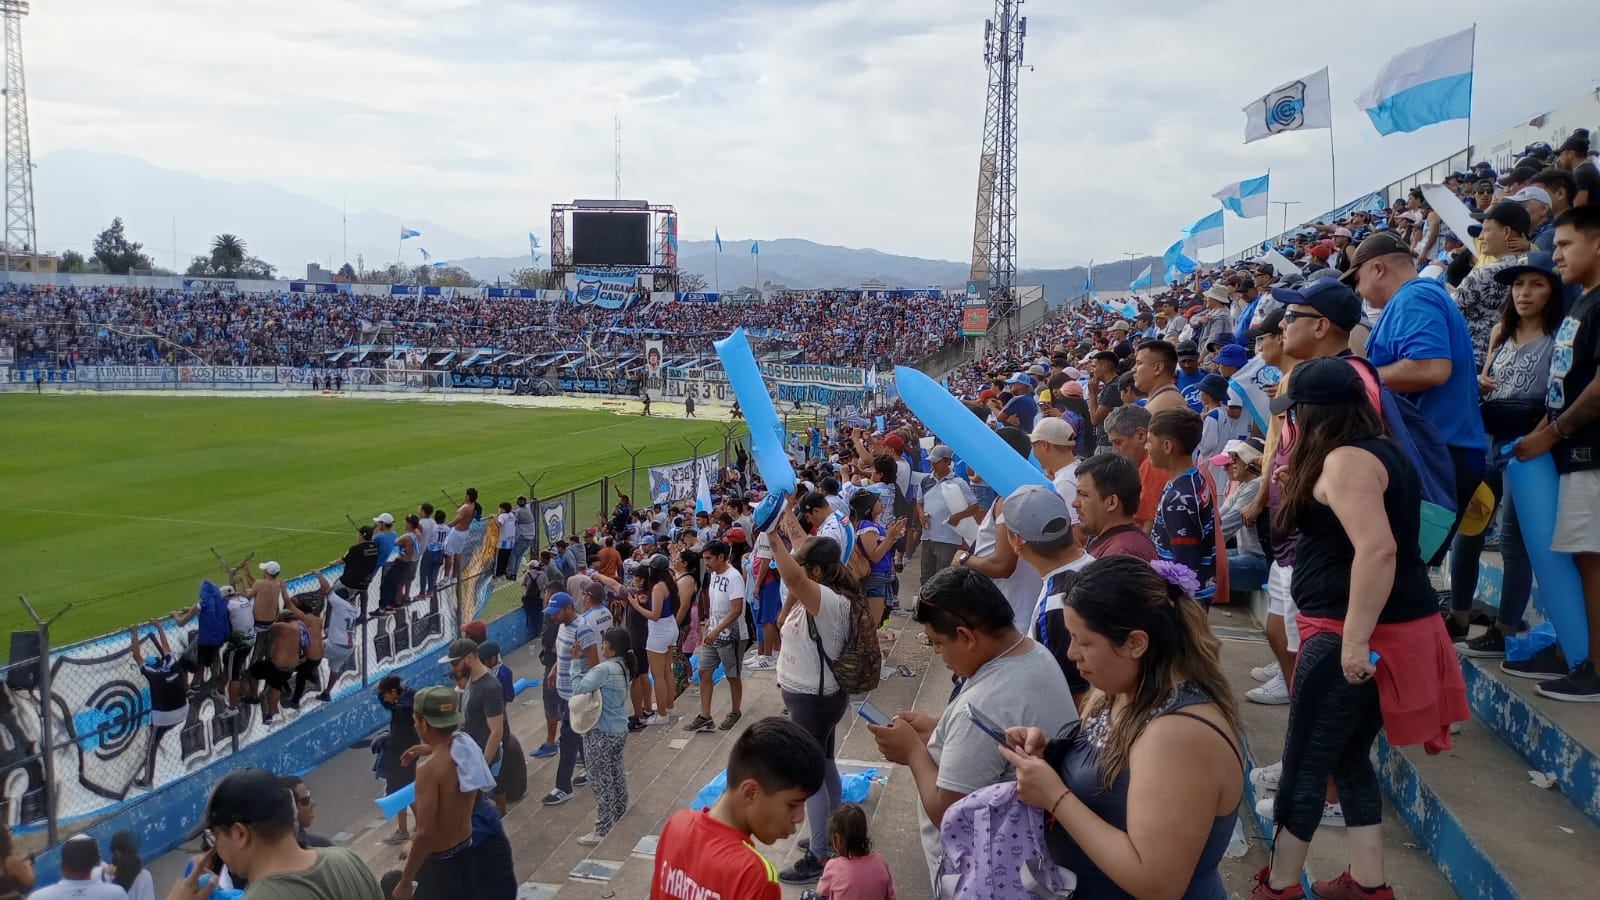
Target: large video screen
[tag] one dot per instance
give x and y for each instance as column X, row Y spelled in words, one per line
column 611, row 239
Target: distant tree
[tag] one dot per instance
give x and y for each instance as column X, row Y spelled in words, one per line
column 533, row 279
column 72, row 261
column 454, row 276
column 117, row 254
column 346, row 272
column 228, row 253
column 691, row 282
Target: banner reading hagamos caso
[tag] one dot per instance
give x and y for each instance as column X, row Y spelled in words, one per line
column 675, row 483
column 607, row 290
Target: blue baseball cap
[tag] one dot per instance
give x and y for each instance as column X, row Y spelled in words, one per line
column 1541, row 263
column 1335, row 300
column 1232, row 355
column 558, row 601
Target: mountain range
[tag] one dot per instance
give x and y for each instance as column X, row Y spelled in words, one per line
column 175, row 214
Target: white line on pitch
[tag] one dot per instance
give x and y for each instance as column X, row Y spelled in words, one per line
column 104, row 515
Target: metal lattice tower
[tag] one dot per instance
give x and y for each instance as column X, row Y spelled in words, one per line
column 994, row 232
column 20, row 237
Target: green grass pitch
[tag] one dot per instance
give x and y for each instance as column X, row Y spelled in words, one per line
column 113, row 502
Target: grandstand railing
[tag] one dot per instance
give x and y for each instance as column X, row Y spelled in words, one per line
column 82, row 711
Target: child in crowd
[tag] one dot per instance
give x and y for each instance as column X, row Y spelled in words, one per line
column 856, row 872
column 773, row 767
column 1185, row 525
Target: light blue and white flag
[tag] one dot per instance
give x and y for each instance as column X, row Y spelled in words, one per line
column 1143, row 281
column 441, row 264
column 1423, row 86
column 1176, row 263
column 406, row 233
column 702, row 490
column 1247, row 199
column 533, row 247
column 755, row 248
column 1205, row 233
column 718, row 233
column 1298, row 105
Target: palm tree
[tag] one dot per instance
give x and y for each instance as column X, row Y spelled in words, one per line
column 228, row 253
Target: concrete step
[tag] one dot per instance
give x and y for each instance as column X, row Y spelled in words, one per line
column 1408, row 867
column 1562, row 739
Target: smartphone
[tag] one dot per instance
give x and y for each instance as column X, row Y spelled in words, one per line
column 986, row 725
column 866, row 710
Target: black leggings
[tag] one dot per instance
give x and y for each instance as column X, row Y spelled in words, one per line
column 1332, row 724
column 819, row 716
column 157, row 732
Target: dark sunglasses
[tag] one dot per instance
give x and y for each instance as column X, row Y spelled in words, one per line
column 1292, row 316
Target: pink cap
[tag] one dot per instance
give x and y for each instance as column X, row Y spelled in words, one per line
column 1221, row 459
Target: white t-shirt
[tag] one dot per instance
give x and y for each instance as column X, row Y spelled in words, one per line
column 241, row 614
column 837, row 527
column 723, row 589
column 1066, row 482
column 341, row 617
column 599, row 619
column 79, row 890
column 144, row 886
column 1021, row 587
column 508, row 527
column 969, row 759
column 798, row 663
column 431, row 533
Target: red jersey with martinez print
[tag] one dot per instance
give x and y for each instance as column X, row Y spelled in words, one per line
column 699, row 858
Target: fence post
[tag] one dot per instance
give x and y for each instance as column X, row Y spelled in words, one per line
column 46, row 713
column 365, row 644
column 633, row 472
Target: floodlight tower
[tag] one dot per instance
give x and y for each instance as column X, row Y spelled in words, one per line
column 20, row 238
column 994, row 232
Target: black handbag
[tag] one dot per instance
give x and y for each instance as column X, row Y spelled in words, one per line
column 1512, row 418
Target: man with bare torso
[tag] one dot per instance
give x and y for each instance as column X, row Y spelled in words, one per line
column 267, row 595
column 311, row 622
column 458, row 848
column 456, row 539
column 283, row 643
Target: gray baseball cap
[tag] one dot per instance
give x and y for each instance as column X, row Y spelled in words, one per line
column 1037, row 514
column 940, row 451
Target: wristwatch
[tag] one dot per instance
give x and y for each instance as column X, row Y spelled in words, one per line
column 962, row 557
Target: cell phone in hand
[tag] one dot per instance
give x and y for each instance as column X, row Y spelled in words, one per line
column 986, row 725
column 866, row 710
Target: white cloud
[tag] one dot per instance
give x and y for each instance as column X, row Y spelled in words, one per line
column 854, row 122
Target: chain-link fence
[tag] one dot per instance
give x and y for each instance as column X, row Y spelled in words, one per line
column 93, row 728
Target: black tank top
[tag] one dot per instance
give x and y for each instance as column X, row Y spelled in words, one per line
column 1323, row 552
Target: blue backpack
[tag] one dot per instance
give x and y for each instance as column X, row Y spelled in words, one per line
column 1429, row 455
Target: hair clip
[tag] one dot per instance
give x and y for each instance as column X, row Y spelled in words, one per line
column 1177, row 574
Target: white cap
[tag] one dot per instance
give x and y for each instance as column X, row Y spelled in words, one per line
column 384, row 519
column 271, row 567
column 1532, row 192
column 1052, row 430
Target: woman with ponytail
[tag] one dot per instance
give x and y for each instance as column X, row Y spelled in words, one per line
column 1142, row 796
column 603, row 744
column 126, row 869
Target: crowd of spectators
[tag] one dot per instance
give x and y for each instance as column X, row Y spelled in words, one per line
column 64, row 326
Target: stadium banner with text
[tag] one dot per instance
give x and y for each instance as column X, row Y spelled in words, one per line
column 675, row 483
column 699, row 297
column 210, row 284
column 130, row 374
column 974, row 321
column 228, row 374
column 606, row 289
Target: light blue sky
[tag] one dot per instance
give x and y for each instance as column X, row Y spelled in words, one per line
column 854, row 122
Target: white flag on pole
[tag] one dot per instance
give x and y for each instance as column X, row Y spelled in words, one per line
column 1296, row 106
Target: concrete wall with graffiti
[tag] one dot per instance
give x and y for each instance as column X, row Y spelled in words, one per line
column 100, row 709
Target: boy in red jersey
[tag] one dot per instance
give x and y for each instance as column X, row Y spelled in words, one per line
column 773, row 767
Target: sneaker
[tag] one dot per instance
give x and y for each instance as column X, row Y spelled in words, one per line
column 806, row 870
column 1266, row 778
column 580, row 780
column 1546, row 665
column 635, row 723
column 398, row 838
column 657, row 719
column 1489, row 645
column 1332, row 813
column 701, row 723
column 543, row 750
column 1582, row 686
column 556, row 798
column 1347, row 888
column 730, row 720
column 591, row 839
column 1456, row 632
column 1266, row 673
column 1274, row 693
column 1263, row 892
column 761, row 663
